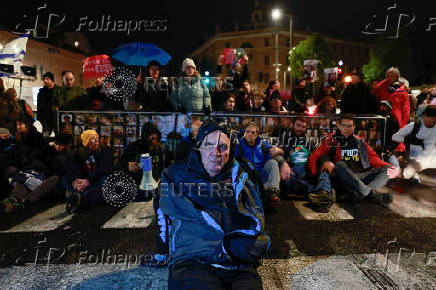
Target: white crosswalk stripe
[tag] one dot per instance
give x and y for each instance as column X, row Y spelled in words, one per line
column 133, row 215
column 47, row 220
column 336, row 212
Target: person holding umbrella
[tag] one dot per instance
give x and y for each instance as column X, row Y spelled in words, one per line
column 153, row 93
column 191, row 94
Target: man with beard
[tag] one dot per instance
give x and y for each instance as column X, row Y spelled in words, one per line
column 159, row 153
column 296, row 152
column 218, row 226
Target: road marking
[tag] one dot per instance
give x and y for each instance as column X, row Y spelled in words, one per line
column 45, row 221
column 406, row 206
column 133, row 215
column 335, row 213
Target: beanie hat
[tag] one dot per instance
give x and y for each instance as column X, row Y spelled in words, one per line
column 188, row 62
column 4, row 131
column 210, row 126
column 63, row 139
column 48, row 75
column 387, row 104
column 148, row 129
column 87, row 135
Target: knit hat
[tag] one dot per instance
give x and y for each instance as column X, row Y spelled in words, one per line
column 188, row 62
column 87, row 135
column 210, row 126
column 48, row 75
column 4, row 131
column 387, row 104
column 63, row 139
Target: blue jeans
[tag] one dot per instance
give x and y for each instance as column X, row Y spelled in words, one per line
column 362, row 182
column 301, row 186
column 270, row 174
column 92, row 192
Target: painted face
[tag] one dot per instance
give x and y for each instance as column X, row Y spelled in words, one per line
column 215, row 152
column 299, row 128
column 347, row 127
column 250, row 135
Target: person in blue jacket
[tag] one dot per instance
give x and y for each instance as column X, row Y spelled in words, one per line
column 218, row 229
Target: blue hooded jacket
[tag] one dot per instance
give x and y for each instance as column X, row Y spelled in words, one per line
column 224, row 228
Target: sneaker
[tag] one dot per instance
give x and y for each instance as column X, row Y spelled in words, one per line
column 272, row 197
column 154, row 260
column 380, row 198
column 72, row 205
column 11, row 204
column 323, row 199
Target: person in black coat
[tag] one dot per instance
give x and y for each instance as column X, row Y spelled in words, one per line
column 46, row 100
column 152, row 90
column 28, row 138
column 86, row 172
column 357, row 97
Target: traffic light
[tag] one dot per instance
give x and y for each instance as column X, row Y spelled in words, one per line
column 339, row 71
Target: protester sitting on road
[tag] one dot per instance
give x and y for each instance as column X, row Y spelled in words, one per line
column 87, row 170
column 420, row 139
column 296, row 152
column 357, row 168
column 27, row 136
column 191, row 94
column 9, row 110
column 260, row 153
column 213, row 201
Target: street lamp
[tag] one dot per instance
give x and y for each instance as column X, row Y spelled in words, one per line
column 276, row 15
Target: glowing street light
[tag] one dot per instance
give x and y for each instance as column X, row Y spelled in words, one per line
column 76, row 43
column 348, row 79
column 206, row 73
column 276, row 14
column 341, row 62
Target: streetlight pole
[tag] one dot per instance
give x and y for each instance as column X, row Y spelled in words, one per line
column 277, row 54
column 291, row 23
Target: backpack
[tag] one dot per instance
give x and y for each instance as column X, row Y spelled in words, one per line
column 411, row 139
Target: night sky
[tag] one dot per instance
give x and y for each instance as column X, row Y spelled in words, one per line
column 189, row 23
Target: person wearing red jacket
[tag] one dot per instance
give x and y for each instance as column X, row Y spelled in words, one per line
column 392, row 90
column 353, row 163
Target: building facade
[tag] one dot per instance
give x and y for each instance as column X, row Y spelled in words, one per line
column 259, row 45
column 43, row 57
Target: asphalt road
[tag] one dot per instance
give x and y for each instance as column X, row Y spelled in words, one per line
column 361, row 246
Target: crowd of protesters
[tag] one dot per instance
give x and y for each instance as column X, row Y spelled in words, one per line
column 33, row 166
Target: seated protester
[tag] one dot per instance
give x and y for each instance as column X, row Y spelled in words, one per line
column 182, row 150
column 358, row 170
column 245, row 102
column 56, row 158
column 260, row 153
column 218, row 233
column 9, row 110
column 327, row 106
column 420, row 138
column 258, row 102
column 159, row 153
column 28, row 138
column 26, row 184
column 296, row 154
column 86, row 172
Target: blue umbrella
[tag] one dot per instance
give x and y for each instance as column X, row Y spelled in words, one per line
column 140, row 54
